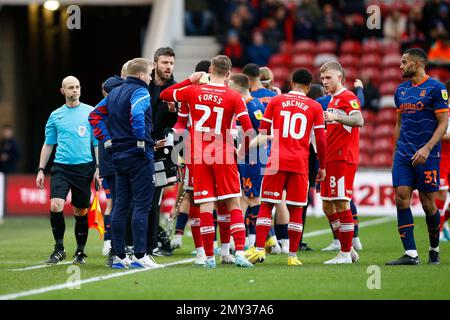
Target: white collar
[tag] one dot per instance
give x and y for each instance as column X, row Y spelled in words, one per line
column 297, row 92
column 215, row 84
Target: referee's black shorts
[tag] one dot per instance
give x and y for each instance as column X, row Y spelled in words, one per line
column 77, row 178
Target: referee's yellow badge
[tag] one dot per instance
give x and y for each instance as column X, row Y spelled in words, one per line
column 444, row 94
column 354, row 104
column 258, row 114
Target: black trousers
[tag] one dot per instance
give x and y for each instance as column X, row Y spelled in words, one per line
column 153, row 222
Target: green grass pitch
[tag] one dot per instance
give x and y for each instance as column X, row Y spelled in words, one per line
column 26, row 242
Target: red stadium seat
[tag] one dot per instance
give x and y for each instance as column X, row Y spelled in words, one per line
column 326, row 46
column 391, row 60
column 322, row 58
column 373, row 73
column 303, row 61
column 372, row 46
column 370, row 60
column 388, row 88
column 349, row 60
column 286, row 47
column 369, row 116
column 384, row 130
column 236, row 70
column 281, row 73
column 392, row 48
column 365, row 144
column 392, row 74
column 387, row 115
column 364, row 159
column 351, row 47
column 383, row 144
column 305, row 46
column 367, row 130
column 351, row 74
column 280, row 60
column 382, row 159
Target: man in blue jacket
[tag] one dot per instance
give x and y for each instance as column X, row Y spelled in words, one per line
column 128, row 136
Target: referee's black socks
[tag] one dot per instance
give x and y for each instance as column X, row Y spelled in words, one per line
column 81, row 231
column 58, row 228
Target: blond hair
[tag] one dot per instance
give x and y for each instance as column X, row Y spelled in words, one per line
column 221, row 65
column 332, row 65
column 266, row 77
column 138, row 65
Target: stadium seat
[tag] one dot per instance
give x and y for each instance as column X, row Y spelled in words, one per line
column 281, row 74
column 320, row 59
column 373, row 73
column 370, row 60
column 349, row 61
column 372, row 46
column 326, row 46
column 278, row 60
column 369, row 116
column 383, row 144
column 391, row 60
column 305, row 46
column 388, row 88
column 392, row 48
column 387, row 115
column 351, row 47
column 392, row 74
column 302, row 61
column 382, row 159
column 236, row 70
column 365, row 144
column 351, row 73
column 286, row 47
column 384, row 130
column 364, row 159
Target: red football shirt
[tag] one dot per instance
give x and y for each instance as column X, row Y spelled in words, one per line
column 343, row 141
column 293, row 115
column 212, row 110
column 445, row 146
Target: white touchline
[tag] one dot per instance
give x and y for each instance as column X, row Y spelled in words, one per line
column 94, row 279
column 40, row 266
column 362, row 224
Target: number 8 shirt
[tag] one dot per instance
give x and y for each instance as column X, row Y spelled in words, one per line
column 342, row 147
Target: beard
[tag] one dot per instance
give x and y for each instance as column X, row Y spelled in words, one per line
column 408, row 73
column 162, row 75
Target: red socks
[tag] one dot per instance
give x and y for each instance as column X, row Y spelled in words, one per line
column 194, row 215
column 237, row 229
column 208, row 232
column 346, row 230
column 295, row 228
column 263, row 224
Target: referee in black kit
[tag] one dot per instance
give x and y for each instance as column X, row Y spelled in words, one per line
column 164, row 116
column 73, row 169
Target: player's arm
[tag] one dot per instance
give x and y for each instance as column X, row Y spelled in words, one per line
column 97, row 119
column 264, row 127
column 51, row 135
column 321, row 142
column 398, row 125
column 359, row 91
column 140, row 102
column 354, row 119
column 170, row 93
column 421, row 155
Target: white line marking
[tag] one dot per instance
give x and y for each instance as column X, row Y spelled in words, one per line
column 362, row 224
column 89, row 280
column 39, row 266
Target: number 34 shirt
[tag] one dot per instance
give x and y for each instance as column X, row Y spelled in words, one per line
column 69, row 128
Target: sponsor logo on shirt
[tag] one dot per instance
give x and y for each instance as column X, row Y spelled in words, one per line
column 81, row 131
column 444, row 94
column 258, row 114
column 354, row 104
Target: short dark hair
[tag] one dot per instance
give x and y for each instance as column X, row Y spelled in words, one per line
column 316, row 91
column 251, row 70
column 165, row 51
column 302, row 76
column 417, row 53
column 240, row 80
column 203, row 66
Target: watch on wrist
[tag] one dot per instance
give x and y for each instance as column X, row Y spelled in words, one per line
column 39, row 169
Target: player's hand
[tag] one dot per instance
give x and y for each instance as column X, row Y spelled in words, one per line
column 421, row 156
column 240, row 153
column 196, row 76
column 358, row 84
column 97, row 177
column 321, row 175
column 40, row 179
column 329, row 117
column 171, row 106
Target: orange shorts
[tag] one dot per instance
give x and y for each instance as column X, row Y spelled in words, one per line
column 295, row 184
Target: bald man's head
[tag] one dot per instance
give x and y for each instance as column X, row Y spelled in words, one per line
column 71, row 89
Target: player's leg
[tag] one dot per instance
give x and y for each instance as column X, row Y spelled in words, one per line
column 182, row 217
column 441, row 197
column 59, row 188
column 432, row 218
column 350, row 173
column 224, row 222
column 195, row 224
column 107, row 214
column 282, row 215
column 297, row 187
column 254, row 206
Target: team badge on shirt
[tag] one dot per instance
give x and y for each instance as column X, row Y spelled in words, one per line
column 354, row 104
column 258, row 114
column 444, row 94
column 81, row 131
